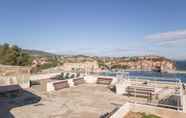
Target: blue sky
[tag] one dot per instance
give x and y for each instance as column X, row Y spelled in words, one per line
column 96, row 27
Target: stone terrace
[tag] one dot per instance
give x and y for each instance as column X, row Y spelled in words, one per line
column 83, row 101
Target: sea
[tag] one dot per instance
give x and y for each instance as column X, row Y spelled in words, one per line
column 151, row 75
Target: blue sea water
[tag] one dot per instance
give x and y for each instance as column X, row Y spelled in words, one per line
column 149, row 74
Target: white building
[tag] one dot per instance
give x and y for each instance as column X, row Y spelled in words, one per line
column 86, row 66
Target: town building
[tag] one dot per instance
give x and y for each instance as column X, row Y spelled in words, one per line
column 84, row 66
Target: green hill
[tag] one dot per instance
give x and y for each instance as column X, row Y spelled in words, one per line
column 38, row 53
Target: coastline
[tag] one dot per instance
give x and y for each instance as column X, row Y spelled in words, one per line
column 174, row 71
column 180, row 71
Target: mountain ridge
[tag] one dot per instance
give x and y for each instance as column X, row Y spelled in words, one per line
column 34, row 52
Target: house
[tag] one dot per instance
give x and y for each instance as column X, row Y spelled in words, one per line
column 84, row 66
column 39, row 61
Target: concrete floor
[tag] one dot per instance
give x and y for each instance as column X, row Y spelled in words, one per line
column 83, row 101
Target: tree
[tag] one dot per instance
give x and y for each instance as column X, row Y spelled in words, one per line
column 3, row 51
column 72, row 76
column 13, row 55
column 24, row 59
column 67, row 76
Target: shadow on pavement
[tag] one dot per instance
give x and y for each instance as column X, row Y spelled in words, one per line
column 173, row 101
column 13, row 96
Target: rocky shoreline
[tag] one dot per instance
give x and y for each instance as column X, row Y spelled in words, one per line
column 146, row 64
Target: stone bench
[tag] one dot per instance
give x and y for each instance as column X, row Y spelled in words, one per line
column 61, row 85
column 139, row 92
column 9, row 88
column 105, row 81
column 78, row 81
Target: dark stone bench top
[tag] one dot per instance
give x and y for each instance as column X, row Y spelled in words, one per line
column 9, row 88
column 101, row 78
column 62, row 81
column 78, row 79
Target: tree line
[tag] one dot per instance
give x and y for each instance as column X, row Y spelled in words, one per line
column 13, row 55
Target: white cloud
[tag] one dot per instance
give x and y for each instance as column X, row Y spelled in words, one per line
column 168, row 44
column 137, row 51
column 167, row 36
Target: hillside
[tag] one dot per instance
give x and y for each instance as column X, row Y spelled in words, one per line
column 13, row 55
column 38, row 53
column 145, row 63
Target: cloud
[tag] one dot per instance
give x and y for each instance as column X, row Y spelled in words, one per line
column 130, row 51
column 167, row 36
column 118, row 50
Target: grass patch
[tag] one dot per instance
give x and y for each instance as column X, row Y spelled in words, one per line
column 140, row 115
column 149, row 116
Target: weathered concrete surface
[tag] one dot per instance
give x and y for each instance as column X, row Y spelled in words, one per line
column 22, row 80
column 162, row 112
column 6, row 70
column 43, row 76
column 15, row 75
column 84, row 101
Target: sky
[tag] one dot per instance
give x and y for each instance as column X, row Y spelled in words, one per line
column 96, row 27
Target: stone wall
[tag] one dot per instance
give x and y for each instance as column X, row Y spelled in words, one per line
column 13, row 70
column 15, row 75
column 22, row 80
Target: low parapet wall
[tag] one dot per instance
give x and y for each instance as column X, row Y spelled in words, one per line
column 6, row 70
column 43, row 76
column 122, row 111
column 61, row 84
column 22, row 80
column 76, row 81
column 93, row 79
column 162, row 112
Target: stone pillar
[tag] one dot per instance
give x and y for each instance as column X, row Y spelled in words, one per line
column 90, row 79
column 50, row 87
column 121, row 87
column 70, row 82
column 184, row 103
